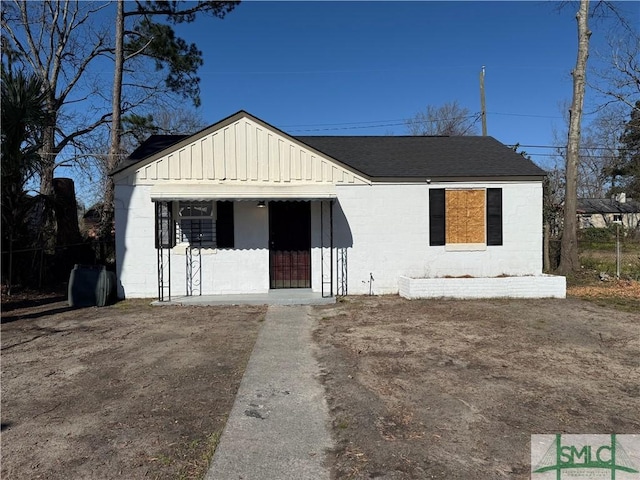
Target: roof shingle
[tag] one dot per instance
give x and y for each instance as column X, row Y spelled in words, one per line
column 606, row 205
column 151, row 145
column 409, row 156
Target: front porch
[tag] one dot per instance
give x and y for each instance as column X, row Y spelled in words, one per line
column 268, row 244
column 283, row 296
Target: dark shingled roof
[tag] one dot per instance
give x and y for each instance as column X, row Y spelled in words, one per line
column 606, row 205
column 151, row 145
column 396, row 156
column 392, row 156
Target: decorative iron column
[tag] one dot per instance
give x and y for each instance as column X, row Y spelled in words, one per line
column 165, row 240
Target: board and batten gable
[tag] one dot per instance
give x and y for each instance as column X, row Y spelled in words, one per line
column 239, row 158
column 242, row 151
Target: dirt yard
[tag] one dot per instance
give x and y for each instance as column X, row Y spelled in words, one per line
column 453, row 389
column 126, row 391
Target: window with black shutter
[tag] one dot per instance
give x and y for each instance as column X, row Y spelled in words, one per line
column 196, row 223
column 465, row 219
column 436, row 217
column 494, row 216
column 207, row 224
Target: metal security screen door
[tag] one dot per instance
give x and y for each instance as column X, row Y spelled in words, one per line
column 290, row 244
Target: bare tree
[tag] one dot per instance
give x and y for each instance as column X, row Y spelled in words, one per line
column 617, row 81
column 62, row 42
column 599, row 165
column 58, row 42
column 160, row 121
column 569, row 244
column 448, row 119
column 618, row 85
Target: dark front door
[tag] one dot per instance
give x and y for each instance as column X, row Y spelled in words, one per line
column 290, row 244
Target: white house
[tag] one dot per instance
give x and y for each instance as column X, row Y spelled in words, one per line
column 243, row 207
column 603, row 212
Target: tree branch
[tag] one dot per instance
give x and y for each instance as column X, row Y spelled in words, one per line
column 96, row 52
column 140, row 50
column 168, row 11
column 68, row 138
column 20, row 47
column 32, row 46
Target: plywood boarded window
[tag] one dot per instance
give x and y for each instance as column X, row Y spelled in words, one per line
column 465, row 214
column 465, row 218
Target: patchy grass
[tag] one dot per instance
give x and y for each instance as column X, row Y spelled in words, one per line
column 621, row 295
column 196, row 456
column 605, row 261
column 454, row 389
column 125, row 391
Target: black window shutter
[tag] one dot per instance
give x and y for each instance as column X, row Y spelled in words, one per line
column 224, row 225
column 436, row 217
column 494, row 216
column 165, row 228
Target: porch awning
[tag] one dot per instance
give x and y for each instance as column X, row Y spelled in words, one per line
column 209, row 191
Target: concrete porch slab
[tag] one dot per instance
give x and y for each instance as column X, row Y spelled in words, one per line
column 285, row 296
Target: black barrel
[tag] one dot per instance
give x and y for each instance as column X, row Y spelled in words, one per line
column 91, row 286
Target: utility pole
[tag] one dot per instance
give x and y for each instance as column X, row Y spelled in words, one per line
column 483, row 105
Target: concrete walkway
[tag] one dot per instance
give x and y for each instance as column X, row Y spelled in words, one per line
column 278, row 428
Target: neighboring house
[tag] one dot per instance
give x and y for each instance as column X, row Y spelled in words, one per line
column 602, row 212
column 242, row 207
column 90, row 225
column 92, row 222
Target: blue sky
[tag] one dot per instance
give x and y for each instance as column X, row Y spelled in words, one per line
column 334, row 68
column 363, row 68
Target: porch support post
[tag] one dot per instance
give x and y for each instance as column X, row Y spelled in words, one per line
column 331, row 242
column 322, row 248
column 326, row 243
column 163, row 242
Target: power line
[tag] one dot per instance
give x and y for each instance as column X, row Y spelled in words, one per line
column 524, row 115
column 385, row 123
column 337, row 124
column 565, row 147
column 347, row 128
column 357, row 125
column 556, row 155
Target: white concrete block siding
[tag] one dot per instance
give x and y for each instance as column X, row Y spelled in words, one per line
column 386, row 235
column 390, row 229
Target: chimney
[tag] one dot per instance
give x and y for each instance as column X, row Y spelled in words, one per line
column 619, row 197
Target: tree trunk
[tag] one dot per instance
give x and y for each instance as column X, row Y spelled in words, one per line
column 45, row 213
column 116, row 101
column 546, row 257
column 569, row 244
column 48, row 149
